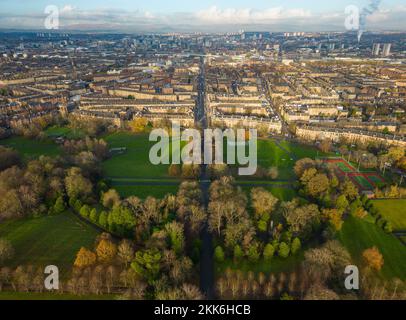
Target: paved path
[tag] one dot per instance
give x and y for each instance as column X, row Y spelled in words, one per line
column 206, row 256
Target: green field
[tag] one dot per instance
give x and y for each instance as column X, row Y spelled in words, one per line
column 57, row 131
column 301, row 150
column 134, row 163
column 48, row 240
column 393, row 210
column 51, row 296
column 32, row 148
column 360, row 234
column 143, row 192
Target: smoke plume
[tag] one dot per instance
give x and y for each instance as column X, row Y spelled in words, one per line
column 366, row 11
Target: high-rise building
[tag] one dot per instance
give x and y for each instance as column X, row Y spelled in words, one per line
column 386, row 49
column 376, row 48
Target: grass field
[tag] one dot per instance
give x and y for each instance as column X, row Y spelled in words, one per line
column 32, row 148
column 143, row 192
column 360, row 234
column 134, row 163
column 302, row 151
column 51, row 296
column 57, row 131
column 47, row 240
column 393, row 210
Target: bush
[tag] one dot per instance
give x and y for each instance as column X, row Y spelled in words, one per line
column 238, row 253
column 269, row 251
column 262, row 225
column 219, row 254
column 59, row 206
column 85, row 211
column 93, row 216
column 295, row 246
column 283, row 250
column 253, row 254
column 103, row 219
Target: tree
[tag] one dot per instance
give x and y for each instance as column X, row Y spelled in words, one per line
column 106, row 250
column 269, row 251
column 317, row 184
column 283, row 250
column 85, row 211
column 103, row 219
column 253, row 253
column 273, row 173
column 125, row 252
column 238, row 253
column 333, row 216
column 219, row 254
column 84, row 258
column 348, row 189
column 176, row 236
column 302, row 165
column 59, row 206
column 138, row 125
column 93, row 216
column 174, row 170
column 6, row 250
column 325, row 145
column 147, row 263
column 77, row 186
column 110, row 198
column 263, row 202
column 373, row 258
column 295, row 245
column 190, row 171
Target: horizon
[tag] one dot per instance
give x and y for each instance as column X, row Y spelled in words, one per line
column 221, row 16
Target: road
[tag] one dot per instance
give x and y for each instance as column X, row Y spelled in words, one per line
column 206, row 256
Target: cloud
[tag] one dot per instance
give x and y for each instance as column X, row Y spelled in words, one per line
column 211, row 19
column 232, row 15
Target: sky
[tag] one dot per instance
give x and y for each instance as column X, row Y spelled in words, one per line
column 194, row 15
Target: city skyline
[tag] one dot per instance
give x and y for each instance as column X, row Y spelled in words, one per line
column 211, row 16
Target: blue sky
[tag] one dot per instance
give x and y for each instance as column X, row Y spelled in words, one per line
column 175, row 14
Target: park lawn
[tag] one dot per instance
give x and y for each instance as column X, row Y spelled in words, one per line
column 276, row 265
column 301, row 150
column 360, row 234
column 32, row 148
column 48, row 240
column 52, row 296
column 393, row 210
column 134, row 162
column 143, row 192
column 69, row 133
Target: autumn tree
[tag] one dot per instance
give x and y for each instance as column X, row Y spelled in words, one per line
column 84, row 258
column 110, row 198
column 373, row 258
column 138, row 125
column 106, row 250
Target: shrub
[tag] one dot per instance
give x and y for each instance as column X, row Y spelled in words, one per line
column 295, row 246
column 219, row 254
column 283, row 250
column 269, row 251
